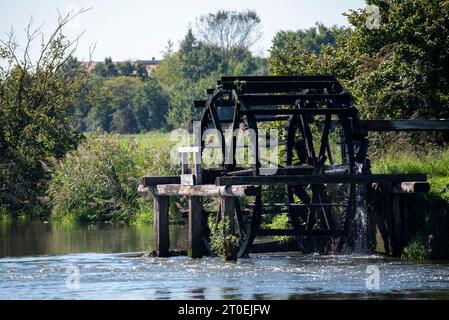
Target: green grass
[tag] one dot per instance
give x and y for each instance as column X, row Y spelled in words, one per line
column 435, row 164
column 429, row 211
column 99, row 180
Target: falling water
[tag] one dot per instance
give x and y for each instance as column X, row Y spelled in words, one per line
column 360, row 221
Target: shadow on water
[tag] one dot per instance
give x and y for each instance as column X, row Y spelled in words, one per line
column 32, row 238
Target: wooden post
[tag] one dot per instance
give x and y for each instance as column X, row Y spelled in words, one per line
column 160, row 225
column 398, row 243
column 196, row 245
column 227, row 210
column 387, row 210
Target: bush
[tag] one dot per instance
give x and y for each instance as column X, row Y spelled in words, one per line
column 416, row 250
column 224, row 243
column 98, row 181
column 280, row 221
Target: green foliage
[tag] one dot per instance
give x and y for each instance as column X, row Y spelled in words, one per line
column 150, row 106
column 185, row 75
column 124, row 104
column 99, row 180
column 112, row 105
column 280, row 221
column 416, row 250
column 429, row 211
column 123, row 98
column 36, row 98
column 400, row 70
column 108, row 69
column 224, row 243
column 310, row 39
column 229, row 30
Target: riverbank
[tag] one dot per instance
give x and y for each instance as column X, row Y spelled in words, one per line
column 98, row 182
column 429, row 211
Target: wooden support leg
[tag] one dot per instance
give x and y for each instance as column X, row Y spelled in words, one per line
column 381, row 220
column 398, row 235
column 228, row 210
column 196, row 245
column 160, row 225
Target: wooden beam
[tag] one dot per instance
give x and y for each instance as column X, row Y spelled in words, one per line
column 278, row 86
column 203, row 190
column 277, row 78
column 266, row 100
column 155, row 180
column 303, row 111
column 405, row 125
column 411, row 187
column 160, row 226
column 291, row 232
column 318, row 179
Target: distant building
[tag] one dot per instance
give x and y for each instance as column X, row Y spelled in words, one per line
column 150, row 65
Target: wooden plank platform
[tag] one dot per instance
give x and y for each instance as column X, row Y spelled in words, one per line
column 318, row 179
column 200, row 190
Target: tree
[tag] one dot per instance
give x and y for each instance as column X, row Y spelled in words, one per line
column 201, row 61
column 141, row 71
column 36, row 96
column 106, row 69
column 228, row 30
column 150, row 106
column 399, row 70
column 188, row 42
column 185, row 75
column 125, row 68
column 310, row 39
column 112, row 105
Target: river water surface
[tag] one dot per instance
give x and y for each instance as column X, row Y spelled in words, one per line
column 71, row 261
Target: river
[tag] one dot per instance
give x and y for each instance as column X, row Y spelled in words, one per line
column 58, row 260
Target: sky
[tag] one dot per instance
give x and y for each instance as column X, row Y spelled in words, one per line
column 138, row 29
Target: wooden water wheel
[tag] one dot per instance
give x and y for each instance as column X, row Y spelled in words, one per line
column 320, row 179
column 322, row 142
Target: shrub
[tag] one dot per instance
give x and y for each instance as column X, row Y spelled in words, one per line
column 98, row 181
column 280, row 221
column 416, row 250
column 224, row 243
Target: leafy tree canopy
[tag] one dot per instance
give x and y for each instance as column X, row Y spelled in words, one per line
column 228, row 30
column 36, row 98
column 398, row 69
